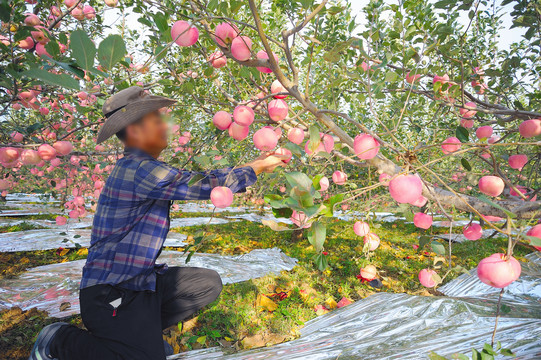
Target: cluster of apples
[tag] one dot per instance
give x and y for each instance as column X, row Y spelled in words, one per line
column 238, row 123
column 11, row 157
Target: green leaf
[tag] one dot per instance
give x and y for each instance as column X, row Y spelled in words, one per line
column 160, row 19
column 329, row 204
column 505, row 309
column 275, row 225
column 195, row 179
column 274, row 200
column 423, row 241
column 302, row 181
column 189, row 257
column 71, row 68
column 305, row 199
column 316, row 235
column 437, row 248
column 321, row 261
column 313, row 210
column 462, row 134
column 95, row 71
column 534, row 240
column 282, row 212
column 408, row 214
column 488, row 349
column 444, row 4
column 465, row 164
column 294, row 148
column 306, row 3
column 436, row 278
column 202, row 160
column 507, row 352
column 315, row 139
column 315, row 181
column 53, row 48
column 82, row 48
column 486, row 200
column 111, row 50
column 5, row 11
column 62, row 80
column 434, row 356
column 391, row 76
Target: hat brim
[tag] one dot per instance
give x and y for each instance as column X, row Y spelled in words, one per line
column 130, row 114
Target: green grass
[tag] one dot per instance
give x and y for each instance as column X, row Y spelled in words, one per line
column 235, row 321
column 222, row 214
column 14, row 263
column 19, row 227
column 235, row 316
column 32, row 217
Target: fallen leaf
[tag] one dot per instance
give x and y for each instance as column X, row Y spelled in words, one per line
column 343, row 302
column 265, row 303
column 188, row 325
column 320, row 310
column 61, row 251
column 274, row 225
column 65, row 306
column 331, row 303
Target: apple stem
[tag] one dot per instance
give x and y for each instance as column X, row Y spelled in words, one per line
column 497, row 315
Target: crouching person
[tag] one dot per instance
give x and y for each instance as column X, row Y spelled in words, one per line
column 127, row 299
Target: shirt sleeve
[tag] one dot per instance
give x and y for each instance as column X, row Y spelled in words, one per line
column 157, row 180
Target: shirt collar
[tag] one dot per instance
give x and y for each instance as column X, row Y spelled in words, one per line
column 136, row 152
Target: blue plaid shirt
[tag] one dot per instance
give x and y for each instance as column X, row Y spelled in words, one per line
column 132, row 217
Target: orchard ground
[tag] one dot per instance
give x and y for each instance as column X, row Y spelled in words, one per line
column 270, row 309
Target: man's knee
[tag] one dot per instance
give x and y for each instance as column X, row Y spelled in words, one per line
column 214, row 284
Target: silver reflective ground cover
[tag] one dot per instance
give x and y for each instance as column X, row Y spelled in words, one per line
column 195, row 221
column 400, row 326
column 206, row 207
column 47, row 239
column 72, row 224
column 47, row 287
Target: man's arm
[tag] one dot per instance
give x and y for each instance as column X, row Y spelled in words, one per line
column 155, row 180
column 267, row 162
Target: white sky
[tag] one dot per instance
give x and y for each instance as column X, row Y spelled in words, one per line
column 506, row 37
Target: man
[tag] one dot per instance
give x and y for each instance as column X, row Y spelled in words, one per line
column 126, row 298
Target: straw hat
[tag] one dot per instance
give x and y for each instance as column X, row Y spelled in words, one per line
column 128, row 106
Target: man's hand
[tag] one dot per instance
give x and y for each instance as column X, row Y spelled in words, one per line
column 267, row 162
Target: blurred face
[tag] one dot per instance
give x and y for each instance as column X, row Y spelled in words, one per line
column 149, row 134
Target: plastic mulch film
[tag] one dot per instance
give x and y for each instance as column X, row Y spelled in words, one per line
column 527, row 290
column 400, row 326
column 258, row 217
column 85, row 222
column 47, row 239
column 207, row 207
column 26, row 212
column 55, row 288
column 195, row 221
column 29, row 198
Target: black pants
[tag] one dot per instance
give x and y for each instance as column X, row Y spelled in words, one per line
column 134, row 330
